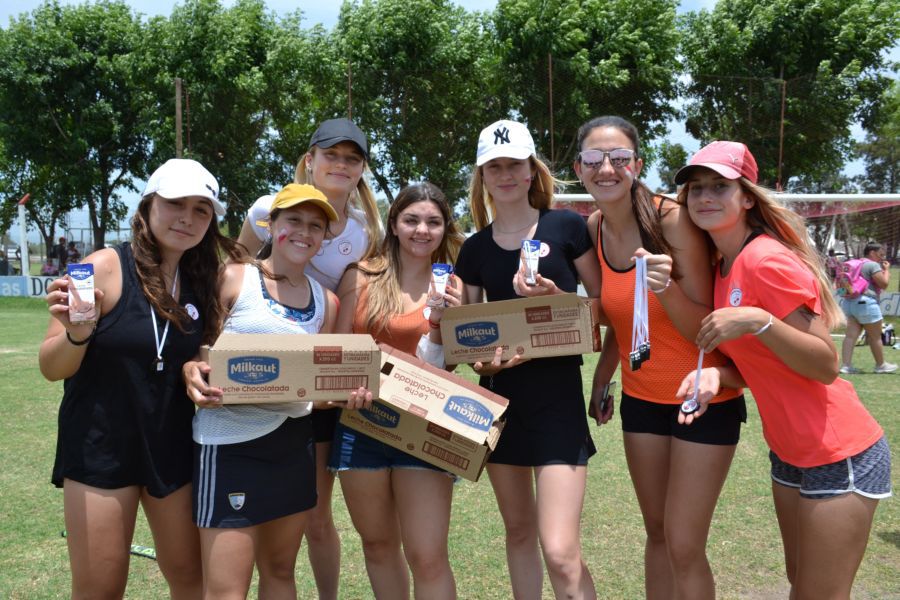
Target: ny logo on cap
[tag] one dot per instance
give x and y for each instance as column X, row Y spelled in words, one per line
column 501, row 135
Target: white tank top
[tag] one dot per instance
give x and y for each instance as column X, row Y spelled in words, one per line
column 257, row 312
column 328, row 265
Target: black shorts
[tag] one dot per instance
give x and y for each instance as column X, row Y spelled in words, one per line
column 324, row 422
column 720, row 425
column 245, row 484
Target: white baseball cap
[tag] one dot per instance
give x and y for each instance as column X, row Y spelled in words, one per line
column 183, row 177
column 504, row 139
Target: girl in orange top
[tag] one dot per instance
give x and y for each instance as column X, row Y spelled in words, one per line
column 772, row 320
column 664, row 457
column 393, row 497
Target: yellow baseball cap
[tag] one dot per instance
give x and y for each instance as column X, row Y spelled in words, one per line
column 295, row 193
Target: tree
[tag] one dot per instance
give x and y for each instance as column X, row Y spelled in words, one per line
column 420, row 89
column 221, row 56
column 826, row 58
column 881, row 148
column 71, row 105
column 608, row 57
column 671, row 158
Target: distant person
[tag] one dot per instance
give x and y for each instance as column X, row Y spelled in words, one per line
column 125, row 424
column 72, row 254
column 864, row 312
column 773, row 309
column 59, row 255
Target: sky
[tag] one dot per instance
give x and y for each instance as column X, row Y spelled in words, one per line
column 326, row 13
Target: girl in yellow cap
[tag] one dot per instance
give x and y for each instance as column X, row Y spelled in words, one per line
column 255, row 465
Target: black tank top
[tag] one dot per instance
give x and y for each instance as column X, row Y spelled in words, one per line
column 117, row 411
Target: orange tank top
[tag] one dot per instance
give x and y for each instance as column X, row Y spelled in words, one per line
column 402, row 332
column 671, row 356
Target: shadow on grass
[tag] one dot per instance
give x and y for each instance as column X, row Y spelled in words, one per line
column 891, row 537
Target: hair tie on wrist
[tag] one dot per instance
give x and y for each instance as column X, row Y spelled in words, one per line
column 664, row 288
column 764, row 327
column 433, row 325
column 80, row 342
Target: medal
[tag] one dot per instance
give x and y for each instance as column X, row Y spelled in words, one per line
column 158, row 365
column 692, row 404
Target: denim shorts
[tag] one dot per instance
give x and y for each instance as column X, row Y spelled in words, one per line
column 867, row 474
column 864, row 309
column 354, row 450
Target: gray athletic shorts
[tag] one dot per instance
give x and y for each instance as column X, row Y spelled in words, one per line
column 867, row 474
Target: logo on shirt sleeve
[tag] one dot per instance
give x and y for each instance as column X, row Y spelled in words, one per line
column 734, row 298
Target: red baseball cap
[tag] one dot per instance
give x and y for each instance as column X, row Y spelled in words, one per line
column 731, row 160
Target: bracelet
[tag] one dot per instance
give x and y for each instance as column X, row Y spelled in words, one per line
column 433, row 325
column 664, row 288
column 80, row 342
column 764, row 327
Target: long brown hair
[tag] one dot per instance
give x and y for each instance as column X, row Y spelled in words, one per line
column 201, row 265
column 540, row 194
column 643, row 205
column 770, row 217
column 382, row 271
column 362, row 198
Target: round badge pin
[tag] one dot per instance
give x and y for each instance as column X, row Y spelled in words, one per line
column 192, row 311
column 545, row 250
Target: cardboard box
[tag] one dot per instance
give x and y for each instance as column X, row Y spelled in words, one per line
column 264, row 368
column 432, row 414
column 558, row 325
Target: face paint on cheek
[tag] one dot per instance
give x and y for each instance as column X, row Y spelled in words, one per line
column 630, row 172
column 282, row 234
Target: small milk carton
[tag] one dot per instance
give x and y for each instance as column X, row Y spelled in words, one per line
column 81, row 293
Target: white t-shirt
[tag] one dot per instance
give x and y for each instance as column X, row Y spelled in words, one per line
column 256, row 312
column 328, row 265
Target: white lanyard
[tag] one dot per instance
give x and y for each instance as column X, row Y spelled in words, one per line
column 158, row 364
column 640, row 320
column 692, row 404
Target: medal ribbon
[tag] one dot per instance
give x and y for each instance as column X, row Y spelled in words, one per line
column 160, row 342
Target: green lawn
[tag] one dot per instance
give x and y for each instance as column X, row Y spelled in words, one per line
column 744, row 546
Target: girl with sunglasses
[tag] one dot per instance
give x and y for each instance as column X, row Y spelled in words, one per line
column 335, row 163
column 539, row 468
column 677, row 471
column 773, row 312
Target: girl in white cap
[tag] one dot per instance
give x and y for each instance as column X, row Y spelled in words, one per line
column 539, row 468
column 773, row 311
column 124, row 424
column 254, row 468
column 335, row 164
column 663, row 456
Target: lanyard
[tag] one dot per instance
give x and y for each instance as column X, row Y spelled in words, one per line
column 640, row 320
column 158, row 363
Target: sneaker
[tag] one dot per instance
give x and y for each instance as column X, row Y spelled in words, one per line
column 850, row 370
column 886, row 368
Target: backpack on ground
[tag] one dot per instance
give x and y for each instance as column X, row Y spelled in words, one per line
column 849, row 281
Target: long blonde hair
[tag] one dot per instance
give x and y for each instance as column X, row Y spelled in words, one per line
column 363, row 198
column 769, row 216
column 540, row 194
column 384, row 298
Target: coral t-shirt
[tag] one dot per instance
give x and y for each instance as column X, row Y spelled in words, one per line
column 805, row 422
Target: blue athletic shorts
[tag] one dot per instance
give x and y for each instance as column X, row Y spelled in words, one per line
column 867, row 474
column 864, row 309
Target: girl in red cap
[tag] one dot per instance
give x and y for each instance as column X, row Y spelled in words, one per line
column 335, row 163
column 773, row 312
column 663, row 456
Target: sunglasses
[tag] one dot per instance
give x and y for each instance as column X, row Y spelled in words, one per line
column 618, row 157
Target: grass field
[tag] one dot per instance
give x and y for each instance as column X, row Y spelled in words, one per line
column 744, row 545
